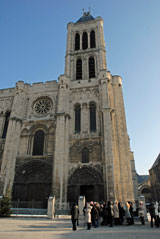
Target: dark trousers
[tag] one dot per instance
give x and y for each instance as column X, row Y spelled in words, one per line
column 142, row 220
column 110, row 221
column 157, row 221
column 153, row 217
column 74, row 223
column 88, row 225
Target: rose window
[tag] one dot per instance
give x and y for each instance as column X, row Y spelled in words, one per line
column 42, row 106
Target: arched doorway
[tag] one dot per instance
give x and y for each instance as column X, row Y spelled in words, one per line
column 88, row 182
column 32, row 184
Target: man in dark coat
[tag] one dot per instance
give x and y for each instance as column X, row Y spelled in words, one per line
column 74, row 216
column 152, row 213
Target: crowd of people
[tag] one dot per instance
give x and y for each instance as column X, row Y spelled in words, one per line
column 115, row 213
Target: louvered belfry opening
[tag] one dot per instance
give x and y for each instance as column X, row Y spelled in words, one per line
column 91, row 67
column 92, row 39
column 79, row 69
column 77, row 41
column 77, row 118
column 85, row 41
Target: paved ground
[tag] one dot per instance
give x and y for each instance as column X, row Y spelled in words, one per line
column 41, row 228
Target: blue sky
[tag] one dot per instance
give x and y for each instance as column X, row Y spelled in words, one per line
column 32, row 48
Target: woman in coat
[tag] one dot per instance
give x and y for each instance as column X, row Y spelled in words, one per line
column 127, row 213
column 87, row 213
column 156, row 210
column 141, row 212
column 116, row 213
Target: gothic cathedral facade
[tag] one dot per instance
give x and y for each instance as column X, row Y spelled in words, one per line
column 68, row 138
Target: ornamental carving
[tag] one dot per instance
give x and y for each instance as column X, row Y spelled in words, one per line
column 88, row 93
column 42, row 107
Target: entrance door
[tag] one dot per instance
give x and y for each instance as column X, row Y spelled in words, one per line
column 87, row 191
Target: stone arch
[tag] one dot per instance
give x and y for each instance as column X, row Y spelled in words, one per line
column 32, row 182
column 36, row 127
column 88, row 181
column 32, row 131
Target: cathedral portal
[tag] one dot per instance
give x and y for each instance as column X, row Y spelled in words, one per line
column 32, row 183
column 85, row 181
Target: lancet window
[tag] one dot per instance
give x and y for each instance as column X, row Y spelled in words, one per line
column 77, row 41
column 92, row 108
column 7, row 116
column 77, row 118
column 91, row 67
column 92, row 39
column 38, row 143
column 84, row 41
column 79, row 69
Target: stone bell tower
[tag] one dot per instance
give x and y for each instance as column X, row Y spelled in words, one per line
column 92, row 153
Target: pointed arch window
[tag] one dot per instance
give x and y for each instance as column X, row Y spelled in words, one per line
column 85, row 155
column 91, row 67
column 77, row 118
column 92, row 39
column 38, row 143
column 77, row 41
column 79, row 69
column 92, row 108
column 85, row 41
column 7, row 116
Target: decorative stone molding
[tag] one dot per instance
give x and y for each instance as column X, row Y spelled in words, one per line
column 42, row 107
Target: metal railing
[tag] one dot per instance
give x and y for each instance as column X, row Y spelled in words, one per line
column 28, row 208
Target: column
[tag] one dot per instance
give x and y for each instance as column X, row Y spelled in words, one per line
column 89, row 45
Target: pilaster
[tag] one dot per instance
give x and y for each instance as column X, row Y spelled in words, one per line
column 61, row 156
column 108, row 147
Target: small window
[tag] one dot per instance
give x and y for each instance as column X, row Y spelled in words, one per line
column 85, row 41
column 92, row 107
column 77, row 118
column 91, row 67
column 79, row 69
column 92, row 39
column 38, row 144
column 77, row 41
column 85, row 155
column 7, row 116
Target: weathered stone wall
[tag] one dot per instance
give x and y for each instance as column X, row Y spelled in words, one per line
column 23, row 123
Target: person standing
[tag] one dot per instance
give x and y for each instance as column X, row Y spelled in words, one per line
column 74, row 216
column 95, row 214
column 127, row 213
column 87, row 213
column 131, row 212
column 121, row 213
column 110, row 213
column 116, row 213
column 156, row 209
column 152, row 213
column 141, row 212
